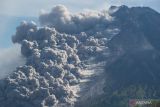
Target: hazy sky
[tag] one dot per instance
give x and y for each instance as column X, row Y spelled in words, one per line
column 33, row 7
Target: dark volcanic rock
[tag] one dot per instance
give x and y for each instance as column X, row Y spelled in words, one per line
column 133, row 70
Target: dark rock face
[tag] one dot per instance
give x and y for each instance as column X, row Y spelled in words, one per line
column 138, row 25
column 133, row 69
column 141, row 67
column 136, row 47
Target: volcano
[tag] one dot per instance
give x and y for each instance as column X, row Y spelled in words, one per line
column 89, row 59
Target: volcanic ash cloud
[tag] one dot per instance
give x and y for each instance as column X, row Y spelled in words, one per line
column 55, row 56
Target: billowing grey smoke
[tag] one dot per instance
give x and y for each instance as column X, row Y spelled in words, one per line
column 55, row 61
column 64, row 21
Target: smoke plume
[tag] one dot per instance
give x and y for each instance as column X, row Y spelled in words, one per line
column 56, row 56
column 10, row 58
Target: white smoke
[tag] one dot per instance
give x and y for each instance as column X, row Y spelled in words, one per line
column 10, row 58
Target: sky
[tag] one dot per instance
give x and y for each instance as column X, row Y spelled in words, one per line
column 33, row 7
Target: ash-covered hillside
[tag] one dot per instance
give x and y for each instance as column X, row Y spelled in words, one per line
column 133, row 69
column 89, row 59
column 136, row 47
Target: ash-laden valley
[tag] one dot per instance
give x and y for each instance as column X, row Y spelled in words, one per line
column 88, row 59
